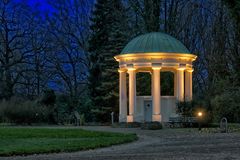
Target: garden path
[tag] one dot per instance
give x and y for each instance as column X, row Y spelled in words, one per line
column 179, row 144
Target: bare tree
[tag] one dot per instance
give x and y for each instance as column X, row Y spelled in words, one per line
column 16, row 29
column 149, row 10
column 69, row 31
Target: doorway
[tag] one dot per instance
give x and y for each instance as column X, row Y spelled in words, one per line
column 148, row 111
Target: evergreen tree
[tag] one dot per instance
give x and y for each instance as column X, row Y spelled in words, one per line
column 107, row 40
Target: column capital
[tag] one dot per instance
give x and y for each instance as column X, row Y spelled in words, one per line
column 156, row 66
column 131, row 69
column 181, row 69
column 120, row 70
column 190, row 70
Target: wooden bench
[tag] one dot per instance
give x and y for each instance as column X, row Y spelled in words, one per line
column 182, row 121
column 175, row 122
column 175, row 119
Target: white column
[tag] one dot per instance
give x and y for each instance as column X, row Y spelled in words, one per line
column 132, row 93
column 188, row 84
column 156, row 110
column 175, row 83
column 152, row 84
column 122, row 96
column 180, row 84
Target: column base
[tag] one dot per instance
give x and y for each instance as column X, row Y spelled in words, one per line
column 130, row 118
column 188, row 98
column 156, row 118
column 122, row 118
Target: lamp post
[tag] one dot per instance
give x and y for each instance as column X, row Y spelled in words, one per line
column 200, row 114
column 112, row 117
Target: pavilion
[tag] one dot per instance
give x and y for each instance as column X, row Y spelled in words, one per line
column 154, row 53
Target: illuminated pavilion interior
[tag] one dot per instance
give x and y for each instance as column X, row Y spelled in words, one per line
column 154, row 53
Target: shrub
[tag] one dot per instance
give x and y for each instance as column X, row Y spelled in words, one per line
column 49, row 98
column 185, row 108
column 85, row 107
column 23, row 112
column 128, row 124
column 64, row 107
column 151, row 125
column 227, row 105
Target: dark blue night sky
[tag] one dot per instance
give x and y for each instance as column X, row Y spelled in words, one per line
column 41, row 5
column 44, row 7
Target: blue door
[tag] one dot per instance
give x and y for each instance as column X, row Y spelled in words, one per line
column 148, row 111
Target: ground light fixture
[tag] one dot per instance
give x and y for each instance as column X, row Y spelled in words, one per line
column 200, row 114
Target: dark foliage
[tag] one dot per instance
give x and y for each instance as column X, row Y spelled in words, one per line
column 49, row 98
column 70, row 49
column 20, row 111
column 107, row 40
column 186, row 108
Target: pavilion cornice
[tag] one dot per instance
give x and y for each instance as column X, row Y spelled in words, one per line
column 149, row 61
column 155, row 56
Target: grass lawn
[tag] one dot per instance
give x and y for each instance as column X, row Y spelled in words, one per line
column 22, row 141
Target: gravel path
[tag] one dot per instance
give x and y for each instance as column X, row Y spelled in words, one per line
column 163, row 144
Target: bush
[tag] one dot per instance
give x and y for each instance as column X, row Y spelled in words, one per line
column 227, row 105
column 23, row 112
column 85, row 107
column 129, row 124
column 151, row 125
column 64, row 108
column 185, row 108
column 49, row 98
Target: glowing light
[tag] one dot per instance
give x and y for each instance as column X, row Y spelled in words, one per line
column 200, row 114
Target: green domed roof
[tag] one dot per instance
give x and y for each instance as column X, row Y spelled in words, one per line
column 154, row 42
